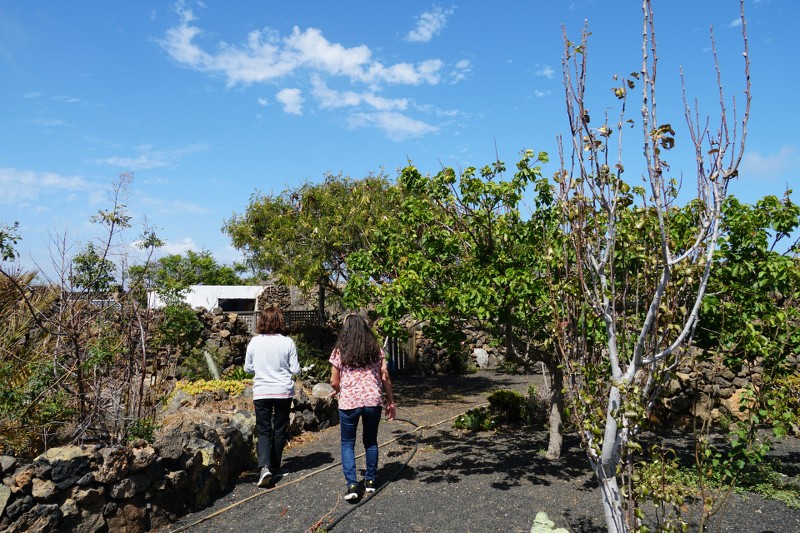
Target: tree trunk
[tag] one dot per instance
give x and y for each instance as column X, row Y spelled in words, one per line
column 555, row 420
column 612, row 499
column 321, row 303
column 606, row 468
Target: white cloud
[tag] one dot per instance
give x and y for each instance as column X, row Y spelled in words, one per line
column 775, row 167
column 267, row 56
column 546, row 71
column 735, row 23
column 17, row 186
column 180, row 247
column 143, row 161
column 67, row 99
column 227, row 255
column 542, row 94
column 311, row 48
column 164, row 206
column 332, row 99
column 461, row 71
column 149, row 158
column 48, row 122
column 292, row 100
column 396, row 125
column 429, row 24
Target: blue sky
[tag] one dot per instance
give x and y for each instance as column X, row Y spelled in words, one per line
column 208, row 102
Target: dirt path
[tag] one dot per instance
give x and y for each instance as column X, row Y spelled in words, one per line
column 455, row 481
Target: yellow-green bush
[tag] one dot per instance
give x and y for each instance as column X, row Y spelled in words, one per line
column 232, row 387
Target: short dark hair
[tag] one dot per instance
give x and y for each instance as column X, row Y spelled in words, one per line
column 270, row 320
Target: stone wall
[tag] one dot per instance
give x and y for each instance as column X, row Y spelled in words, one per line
column 705, row 389
column 286, row 298
column 709, row 390
column 432, row 359
column 225, row 331
column 143, row 486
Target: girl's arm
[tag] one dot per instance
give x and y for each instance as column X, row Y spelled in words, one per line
column 335, row 382
column 387, row 386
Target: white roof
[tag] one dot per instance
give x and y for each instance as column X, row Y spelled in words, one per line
column 208, row 296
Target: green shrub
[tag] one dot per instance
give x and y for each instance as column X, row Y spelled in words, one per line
column 508, row 406
column 144, row 428
column 537, row 407
column 312, row 358
column 477, row 419
column 662, row 479
column 179, row 328
column 509, row 367
column 237, row 373
column 231, row 387
column 786, row 397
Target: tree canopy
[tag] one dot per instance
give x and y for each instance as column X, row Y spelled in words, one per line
column 458, row 251
column 175, row 272
column 304, row 236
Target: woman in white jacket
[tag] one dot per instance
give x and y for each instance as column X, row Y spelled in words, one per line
column 272, row 356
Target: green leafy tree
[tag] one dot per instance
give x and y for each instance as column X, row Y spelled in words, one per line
column 92, row 271
column 174, row 273
column 303, row 236
column 177, row 331
column 9, row 237
column 751, row 318
column 461, row 255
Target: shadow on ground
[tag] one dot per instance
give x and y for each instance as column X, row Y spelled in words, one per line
column 415, row 391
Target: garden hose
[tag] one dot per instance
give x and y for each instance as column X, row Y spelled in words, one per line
column 330, row 525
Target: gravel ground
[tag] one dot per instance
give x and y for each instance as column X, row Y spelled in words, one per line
column 445, row 480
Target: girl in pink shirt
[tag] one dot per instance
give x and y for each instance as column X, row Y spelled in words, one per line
column 360, row 376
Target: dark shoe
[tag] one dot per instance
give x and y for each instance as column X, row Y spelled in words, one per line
column 370, row 486
column 353, row 493
column 264, row 478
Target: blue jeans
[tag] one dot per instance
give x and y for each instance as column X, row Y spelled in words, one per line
column 272, row 420
column 348, row 422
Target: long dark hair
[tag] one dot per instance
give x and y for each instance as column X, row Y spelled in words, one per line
column 270, row 321
column 357, row 344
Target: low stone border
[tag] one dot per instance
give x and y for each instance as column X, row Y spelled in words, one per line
column 142, row 486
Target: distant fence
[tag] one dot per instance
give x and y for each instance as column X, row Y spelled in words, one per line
column 296, row 319
column 397, row 354
column 293, row 319
column 250, row 319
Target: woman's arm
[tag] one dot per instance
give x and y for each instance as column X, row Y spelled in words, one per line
column 294, row 364
column 248, row 359
column 387, row 386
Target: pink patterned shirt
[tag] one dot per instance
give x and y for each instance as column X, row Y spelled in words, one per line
column 359, row 387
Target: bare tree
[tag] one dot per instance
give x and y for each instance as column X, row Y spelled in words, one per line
column 623, row 331
column 96, row 333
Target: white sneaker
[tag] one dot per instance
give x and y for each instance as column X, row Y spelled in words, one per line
column 265, row 478
column 353, row 493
